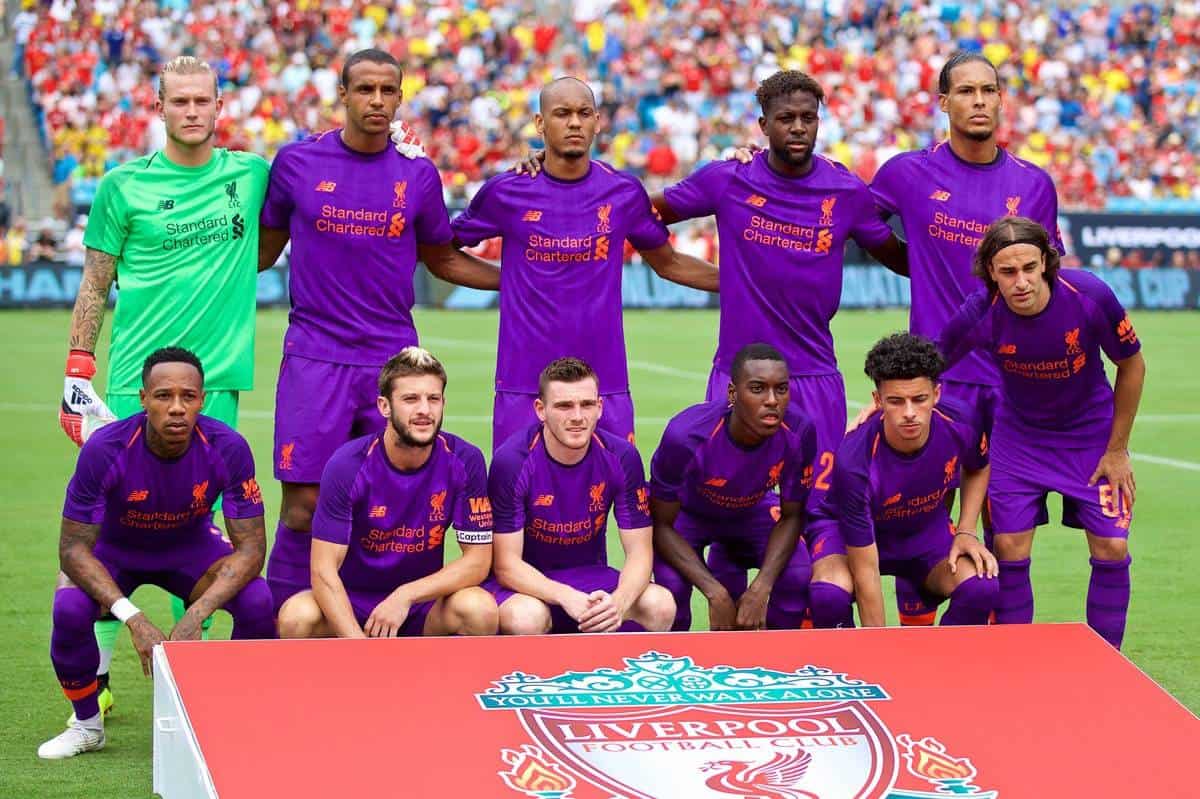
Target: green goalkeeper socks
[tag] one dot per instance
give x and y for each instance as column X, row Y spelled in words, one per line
column 107, row 630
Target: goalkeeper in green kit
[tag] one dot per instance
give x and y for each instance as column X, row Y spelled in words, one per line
column 178, row 232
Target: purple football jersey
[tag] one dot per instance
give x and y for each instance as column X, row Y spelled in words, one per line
column 782, row 252
column 355, row 220
column 561, row 266
column 945, row 204
column 154, row 512
column 394, row 522
column 700, row 466
column 896, row 500
column 1053, row 383
column 563, row 510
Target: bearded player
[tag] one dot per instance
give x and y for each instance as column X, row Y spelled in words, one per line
column 945, row 196
column 386, row 502
column 893, row 473
column 139, row 511
column 552, row 486
column 783, row 218
column 358, row 214
column 1060, row 426
column 177, row 230
column 714, row 478
column 564, row 233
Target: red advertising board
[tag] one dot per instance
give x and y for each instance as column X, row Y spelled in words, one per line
column 1012, row 711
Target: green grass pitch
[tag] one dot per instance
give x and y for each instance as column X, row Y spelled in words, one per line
column 669, row 354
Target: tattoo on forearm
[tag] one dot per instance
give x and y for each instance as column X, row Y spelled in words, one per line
column 249, row 540
column 75, row 544
column 99, row 270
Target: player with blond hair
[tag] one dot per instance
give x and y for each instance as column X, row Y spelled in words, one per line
column 177, row 231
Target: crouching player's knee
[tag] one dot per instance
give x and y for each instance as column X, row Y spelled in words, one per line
column 471, row 611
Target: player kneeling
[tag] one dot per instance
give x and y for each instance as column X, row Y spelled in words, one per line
column 890, row 481
column 386, row 499
column 553, row 485
column 138, row 511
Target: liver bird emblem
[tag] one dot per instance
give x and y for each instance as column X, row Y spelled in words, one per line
column 775, row 779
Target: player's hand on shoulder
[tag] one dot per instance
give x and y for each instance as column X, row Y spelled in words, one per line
column 145, row 636
column 752, row 609
column 388, row 617
column 602, row 614
column 863, row 415
column 967, row 545
column 406, row 140
column 531, row 164
column 82, row 411
column 745, row 153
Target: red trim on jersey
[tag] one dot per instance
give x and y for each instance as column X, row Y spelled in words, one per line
column 536, row 439
column 374, row 444
column 875, row 445
column 1063, row 280
column 200, row 433
column 720, row 424
column 134, row 437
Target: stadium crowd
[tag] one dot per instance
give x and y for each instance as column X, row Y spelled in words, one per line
column 1105, row 97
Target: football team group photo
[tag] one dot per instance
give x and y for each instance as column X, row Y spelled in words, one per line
column 814, row 480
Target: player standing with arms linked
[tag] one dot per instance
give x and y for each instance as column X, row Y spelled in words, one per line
column 945, row 196
column 564, row 233
column 359, row 214
column 177, row 230
column 783, row 217
column 1059, row 425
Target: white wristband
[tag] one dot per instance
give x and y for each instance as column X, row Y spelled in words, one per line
column 124, row 610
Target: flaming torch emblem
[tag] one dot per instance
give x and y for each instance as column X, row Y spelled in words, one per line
column 532, row 774
column 928, row 760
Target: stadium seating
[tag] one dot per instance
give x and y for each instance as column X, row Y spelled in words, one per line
column 1107, row 98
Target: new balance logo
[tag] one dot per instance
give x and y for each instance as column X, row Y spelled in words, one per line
column 326, row 185
column 166, row 205
column 756, row 200
column 1007, row 349
column 544, row 501
column 138, row 496
column 716, row 482
column 892, row 500
column 532, row 216
column 940, row 195
column 378, row 512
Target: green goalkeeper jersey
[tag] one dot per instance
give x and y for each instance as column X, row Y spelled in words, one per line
column 186, row 243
